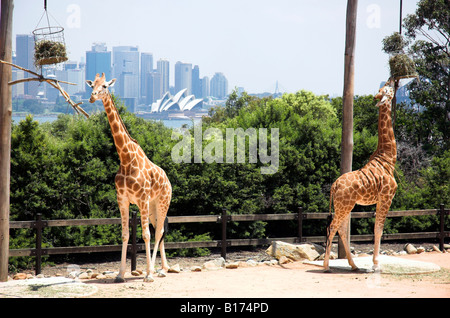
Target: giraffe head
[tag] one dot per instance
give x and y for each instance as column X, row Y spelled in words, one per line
column 99, row 87
column 385, row 94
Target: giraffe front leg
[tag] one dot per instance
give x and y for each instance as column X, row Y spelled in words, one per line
column 124, row 212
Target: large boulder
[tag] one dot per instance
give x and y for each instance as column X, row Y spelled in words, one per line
column 295, row 252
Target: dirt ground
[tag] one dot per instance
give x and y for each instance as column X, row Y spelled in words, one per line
column 293, row 280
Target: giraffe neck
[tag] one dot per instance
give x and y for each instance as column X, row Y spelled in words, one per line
column 387, row 147
column 123, row 141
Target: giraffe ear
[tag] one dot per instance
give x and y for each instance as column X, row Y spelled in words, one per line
column 89, row 83
column 111, row 83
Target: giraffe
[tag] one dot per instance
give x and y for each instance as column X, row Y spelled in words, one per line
column 138, row 181
column 372, row 184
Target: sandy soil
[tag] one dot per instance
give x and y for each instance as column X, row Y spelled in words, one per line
column 293, row 280
column 288, row 281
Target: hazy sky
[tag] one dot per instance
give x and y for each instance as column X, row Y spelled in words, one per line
column 255, row 43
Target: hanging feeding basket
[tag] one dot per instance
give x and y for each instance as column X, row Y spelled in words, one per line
column 49, row 45
column 400, row 64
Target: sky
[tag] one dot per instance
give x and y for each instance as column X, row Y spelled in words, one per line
column 254, row 43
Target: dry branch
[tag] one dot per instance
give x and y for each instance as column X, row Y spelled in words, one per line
column 52, row 82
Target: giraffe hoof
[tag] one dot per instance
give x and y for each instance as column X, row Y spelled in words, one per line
column 327, row 270
column 119, row 280
column 355, row 269
column 148, row 279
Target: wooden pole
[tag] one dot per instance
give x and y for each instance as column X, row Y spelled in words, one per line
column 5, row 131
column 347, row 100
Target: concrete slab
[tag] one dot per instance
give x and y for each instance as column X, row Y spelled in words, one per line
column 52, row 287
column 388, row 265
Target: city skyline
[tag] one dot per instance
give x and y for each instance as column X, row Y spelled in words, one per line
column 139, row 82
column 298, row 43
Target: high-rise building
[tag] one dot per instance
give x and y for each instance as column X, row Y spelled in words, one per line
column 163, row 69
column 25, row 58
column 183, row 77
column 154, row 87
column 196, row 82
column 146, row 68
column 98, row 61
column 205, row 86
column 219, row 86
column 126, row 71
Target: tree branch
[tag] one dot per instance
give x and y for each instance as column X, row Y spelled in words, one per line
column 52, row 82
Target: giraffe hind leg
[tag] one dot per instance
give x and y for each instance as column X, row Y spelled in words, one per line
column 161, row 210
column 343, row 234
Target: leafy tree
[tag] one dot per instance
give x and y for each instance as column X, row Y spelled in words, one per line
column 429, row 30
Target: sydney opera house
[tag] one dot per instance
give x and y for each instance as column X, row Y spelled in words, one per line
column 180, row 102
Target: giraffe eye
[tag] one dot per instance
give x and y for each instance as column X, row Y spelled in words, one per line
column 104, row 86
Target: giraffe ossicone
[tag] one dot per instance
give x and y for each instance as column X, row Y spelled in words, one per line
column 138, row 181
column 372, row 184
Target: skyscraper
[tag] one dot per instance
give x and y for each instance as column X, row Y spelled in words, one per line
column 146, row 68
column 98, row 61
column 154, row 87
column 163, row 69
column 205, row 86
column 25, row 58
column 219, row 86
column 183, row 77
column 196, row 82
column 126, row 71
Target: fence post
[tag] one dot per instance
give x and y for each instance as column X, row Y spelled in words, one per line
column 133, row 240
column 441, row 228
column 300, row 224
column 38, row 226
column 224, row 234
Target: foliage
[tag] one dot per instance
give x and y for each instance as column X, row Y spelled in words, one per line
column 429, row 31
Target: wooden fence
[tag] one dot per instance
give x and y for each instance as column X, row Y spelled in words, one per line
column 222, row 219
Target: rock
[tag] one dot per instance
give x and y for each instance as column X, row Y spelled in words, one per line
column 109, row 274
column 214, row 264
column 271, row 262
column 161, row 273
column 73, row 274
column 175, row 268
column 284, row 260
column 232, row 265
column 195, row 268
column 94, row 275
column 295, row 252
column 420, row 249
column 436, row 249
column 410, row 249
column 100, row 276
column 332, row 256
column 252, row 263
column 84, row 275
column 20, row 276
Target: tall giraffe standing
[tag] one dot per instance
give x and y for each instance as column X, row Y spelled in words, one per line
column 138, row 181
column 374, row 183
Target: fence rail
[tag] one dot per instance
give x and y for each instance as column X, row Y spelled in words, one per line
column 224, row 242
